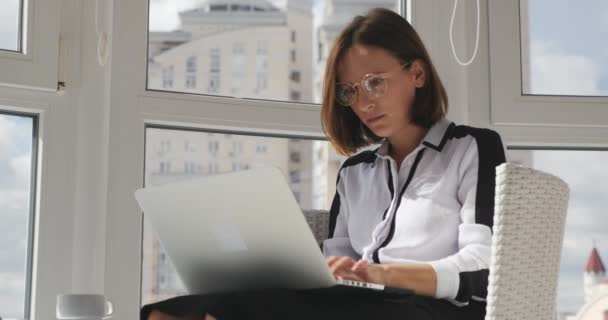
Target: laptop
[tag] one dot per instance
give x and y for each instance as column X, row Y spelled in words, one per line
column 238, row 231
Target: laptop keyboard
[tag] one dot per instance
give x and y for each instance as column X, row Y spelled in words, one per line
column 360, row 284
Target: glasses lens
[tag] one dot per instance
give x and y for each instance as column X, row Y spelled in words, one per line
column 345, row 94
column 375, row 85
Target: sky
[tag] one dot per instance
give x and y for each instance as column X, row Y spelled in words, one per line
column 9, row 24
column 15, row 165
column 568, row 55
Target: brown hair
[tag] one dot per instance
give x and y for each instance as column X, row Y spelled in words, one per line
column 388, row 30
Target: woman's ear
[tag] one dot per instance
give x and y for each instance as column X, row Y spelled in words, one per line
column 418, row 73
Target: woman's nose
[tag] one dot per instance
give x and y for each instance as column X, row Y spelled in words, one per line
column 364, row 103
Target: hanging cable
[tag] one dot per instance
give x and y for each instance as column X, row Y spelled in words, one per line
column 464, row 64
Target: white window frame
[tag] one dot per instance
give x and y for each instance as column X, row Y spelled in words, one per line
column 495, row 91
column 36, row 66
column 132, row 108
column 52, row 206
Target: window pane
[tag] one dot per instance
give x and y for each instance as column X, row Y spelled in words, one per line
column 254, row 49
column 16, row 147
column 309, row 166
column 563, row 47
column 10, row 25
column 587, row 176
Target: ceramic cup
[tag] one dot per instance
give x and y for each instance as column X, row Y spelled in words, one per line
column 83, row 306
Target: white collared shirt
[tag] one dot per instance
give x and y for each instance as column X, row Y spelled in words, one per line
column 437, row 208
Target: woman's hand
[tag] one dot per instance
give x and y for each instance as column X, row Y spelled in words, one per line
column 346, row 268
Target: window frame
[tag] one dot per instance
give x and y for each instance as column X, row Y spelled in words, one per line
column 132, row 109
column 493, row 96
column 32, row 216
column 36, row 66
column 49, row 262
column 509, row 106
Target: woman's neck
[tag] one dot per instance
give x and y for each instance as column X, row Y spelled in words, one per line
column 405, row 141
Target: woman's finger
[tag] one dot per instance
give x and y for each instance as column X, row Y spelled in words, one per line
column 349, row 276
column 343, row 263
column 331, row 260
column 360, row 265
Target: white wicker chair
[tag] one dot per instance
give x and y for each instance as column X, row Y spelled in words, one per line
column 530, row 212
column 529, row 218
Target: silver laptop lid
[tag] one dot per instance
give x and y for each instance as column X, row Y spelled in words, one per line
column 235, row 231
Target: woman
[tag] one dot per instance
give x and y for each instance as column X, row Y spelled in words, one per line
column 415, row 212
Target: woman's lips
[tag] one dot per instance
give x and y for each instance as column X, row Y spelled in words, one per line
column 373, row 120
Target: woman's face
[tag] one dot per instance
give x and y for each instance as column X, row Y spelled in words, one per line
column 388, row 114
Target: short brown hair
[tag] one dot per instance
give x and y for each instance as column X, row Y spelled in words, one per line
column 388, row 30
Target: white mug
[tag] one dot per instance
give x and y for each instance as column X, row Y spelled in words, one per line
column 83, row 306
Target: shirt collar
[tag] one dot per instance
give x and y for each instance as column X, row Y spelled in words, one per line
column 435, row 138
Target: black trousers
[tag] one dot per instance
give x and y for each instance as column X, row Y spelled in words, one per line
column 314, row 304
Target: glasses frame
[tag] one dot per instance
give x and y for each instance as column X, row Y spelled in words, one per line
column 383, row 76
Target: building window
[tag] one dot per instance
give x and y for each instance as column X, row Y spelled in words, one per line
column 274, row 151
column 191, row 64
column 295, row 96
column 295, row 157
column 214, row 70
column 165, row 146
column 295, row 76
column 189, row 147
column 294, row 176
column 238, row 66
column 261, row 149
column 293, row 55
column 293, row 36
column 191, row 72
column 320, row 55
column 262, row 66
column 168, row 77
column 214, row 147
column 165, row 167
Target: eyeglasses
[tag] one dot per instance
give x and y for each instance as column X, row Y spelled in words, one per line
column 374, row 84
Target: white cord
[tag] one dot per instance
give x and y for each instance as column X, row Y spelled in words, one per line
column 103, row 10
column 464, row 64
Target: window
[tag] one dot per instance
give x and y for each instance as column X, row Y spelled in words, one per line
column 177, row 30
column 191, row 73
column 238, row 67
column 168, row 77
column 307, row 177
column 546, row 64
column 320, row 53
column 29, row 45
column 214, row 71
column 295, row 157
column 10, row 25
column 295, row 96
column 17, row 159
column 270, row 32
column 262, row 66
column 295, row 76
column 586, row 221
column 561, row 58
column 294, row 176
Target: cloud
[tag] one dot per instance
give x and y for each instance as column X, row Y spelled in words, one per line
column 15, row 166
column 12, row 294
column 553, row 71
column 164, row 13
column 585, row 174
column 21, row 167
column 7, row 128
